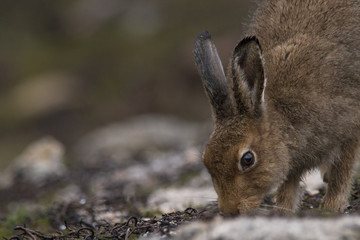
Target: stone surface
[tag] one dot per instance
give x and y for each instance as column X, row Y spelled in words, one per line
column 144, row 154
column 173, row 199
column 139, row 139
column 273, row 229
column 41, row 161
column 154, row 171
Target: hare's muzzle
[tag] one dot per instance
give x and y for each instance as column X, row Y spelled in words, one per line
column 228, row 207
column 234, row 209
column 236, row 206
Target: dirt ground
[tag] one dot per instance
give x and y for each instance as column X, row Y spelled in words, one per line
column 80, row 219
column 123, row 191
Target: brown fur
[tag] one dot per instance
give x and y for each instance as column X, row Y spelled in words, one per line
column 292, row 98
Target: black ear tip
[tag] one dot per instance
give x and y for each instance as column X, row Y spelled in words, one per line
column 247, row 40
column 203, row 36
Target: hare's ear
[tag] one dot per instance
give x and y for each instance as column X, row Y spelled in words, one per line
column 247, row 67
column 213, row 77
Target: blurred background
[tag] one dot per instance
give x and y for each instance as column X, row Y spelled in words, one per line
column 102, row 111
column 67, row 67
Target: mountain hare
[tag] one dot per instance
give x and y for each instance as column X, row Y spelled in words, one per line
column 289, row 103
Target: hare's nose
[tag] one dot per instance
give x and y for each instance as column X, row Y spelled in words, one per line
column 228, row 208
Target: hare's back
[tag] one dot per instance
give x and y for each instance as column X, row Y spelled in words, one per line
column 276, row 21
column 312, row 61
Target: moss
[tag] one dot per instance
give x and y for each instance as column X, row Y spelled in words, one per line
column 43, row 224
column 18, row 217
column 24, row 217
column 133, row 237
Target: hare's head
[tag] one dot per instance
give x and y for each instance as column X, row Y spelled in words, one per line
column 244, row 157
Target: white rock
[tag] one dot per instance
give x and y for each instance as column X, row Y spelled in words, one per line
column 40, row 161
column 70, row 193
column 273, row 229
column 111, row 217
column 172, row 199
column 148, row 174
column 144, row 134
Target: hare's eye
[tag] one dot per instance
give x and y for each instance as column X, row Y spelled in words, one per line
column 247, row 160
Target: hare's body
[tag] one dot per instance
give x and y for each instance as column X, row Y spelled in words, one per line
column 287, row 107
column 312, row 54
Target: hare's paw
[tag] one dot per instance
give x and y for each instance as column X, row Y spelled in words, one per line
column 287, row 196
column 339, row 177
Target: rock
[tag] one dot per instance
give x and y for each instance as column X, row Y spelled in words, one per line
column 260, row 228
column 197, row 192
column 41, row 161
column 172, row 199
column 145, row 153
column 203, row 179
column 144, row 135
column 156, row 169
column 142, row 154
column 111, row 216
column 70, row 193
